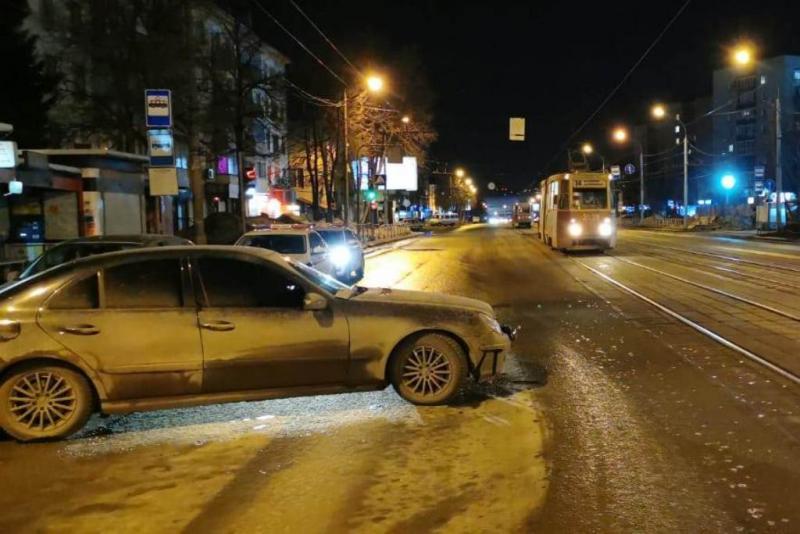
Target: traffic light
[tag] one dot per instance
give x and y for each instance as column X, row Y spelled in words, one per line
column 371, row 195
column 250, row 173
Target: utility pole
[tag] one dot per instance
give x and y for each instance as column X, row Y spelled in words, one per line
column 778, row 165
column 641, row 183
column 685, row 179
column 346, row 158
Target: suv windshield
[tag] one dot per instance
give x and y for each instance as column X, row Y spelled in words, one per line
column 283, row 243
column 589, row 199
column 328, row 283
column 332, row 237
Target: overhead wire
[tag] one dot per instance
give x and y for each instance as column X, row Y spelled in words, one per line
column 327, row 39
column 620, row 84
column 298, row 41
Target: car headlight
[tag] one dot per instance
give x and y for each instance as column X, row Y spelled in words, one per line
column 574, row 229
column 491, row 322
column 340, row 256
column 606, row 228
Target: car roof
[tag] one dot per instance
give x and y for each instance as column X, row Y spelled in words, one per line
column 279, row 231
column 143, row 239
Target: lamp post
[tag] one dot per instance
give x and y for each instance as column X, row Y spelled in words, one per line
column 374, row 84
column 621, row 135
column 659, row 112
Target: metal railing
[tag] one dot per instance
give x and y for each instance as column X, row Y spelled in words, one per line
column 370, row 233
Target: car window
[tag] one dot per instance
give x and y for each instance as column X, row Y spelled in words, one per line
column 283, row 243
column 78, row 295
column 144, row 284
column 351, row 237
column 91, row 249
column 235, row 283
column 332, row 237
column 315, row 241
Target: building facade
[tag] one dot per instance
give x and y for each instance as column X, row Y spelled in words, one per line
column 746, row 141
column 107, row 95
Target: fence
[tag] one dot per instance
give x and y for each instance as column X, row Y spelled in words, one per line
column 370, row 233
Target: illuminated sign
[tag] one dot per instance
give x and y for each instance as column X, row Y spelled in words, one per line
column 8, row 155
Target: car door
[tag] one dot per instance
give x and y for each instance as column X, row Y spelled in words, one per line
column 318, row 251
column 132, row 323
column 255, row 332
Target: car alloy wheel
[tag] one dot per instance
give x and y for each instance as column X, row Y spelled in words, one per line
column 426, row 371
column 44, row 402
column 429, row 369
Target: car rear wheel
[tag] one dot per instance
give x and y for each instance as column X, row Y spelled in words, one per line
column 44, row 402
column 429, row 370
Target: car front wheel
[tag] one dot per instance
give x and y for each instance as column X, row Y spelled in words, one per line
column 44, row 402
column 429, row 370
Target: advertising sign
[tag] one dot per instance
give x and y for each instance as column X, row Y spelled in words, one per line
column 163, row 181
column 8, row 155
column 158, row 108
column 516, row 129
column 160, row 148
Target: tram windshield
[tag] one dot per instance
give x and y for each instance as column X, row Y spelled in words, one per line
column 589, row 199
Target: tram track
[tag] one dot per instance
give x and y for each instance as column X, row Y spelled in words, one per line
column 694, row 324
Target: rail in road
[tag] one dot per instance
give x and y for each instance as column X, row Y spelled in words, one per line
column 738, row 307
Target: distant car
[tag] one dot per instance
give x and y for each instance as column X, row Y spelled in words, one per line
column 296, row 241
column 346, row 252
column 445, row 219
column 181, row 326
column 89, row 246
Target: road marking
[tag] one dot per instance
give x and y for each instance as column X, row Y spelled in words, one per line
column 703, row 330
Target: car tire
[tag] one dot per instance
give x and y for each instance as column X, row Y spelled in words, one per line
column 428, row 370
column 42, row 402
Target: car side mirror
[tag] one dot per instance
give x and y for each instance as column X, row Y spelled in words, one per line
column 315, row 302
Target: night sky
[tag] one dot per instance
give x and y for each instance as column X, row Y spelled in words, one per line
column 550, row 62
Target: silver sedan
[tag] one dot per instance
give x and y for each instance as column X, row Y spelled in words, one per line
column 181, row 326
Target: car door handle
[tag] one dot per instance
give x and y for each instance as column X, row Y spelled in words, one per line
column 81, row 329
column 218, row 326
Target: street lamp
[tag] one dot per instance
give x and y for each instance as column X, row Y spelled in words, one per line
column 406, row 119
column 460, row 172
column 468, row 181
column 620, row 135
column 660, row 111
column 587, row 148
column 374, row 83
column 742, row 55
column 728, row 181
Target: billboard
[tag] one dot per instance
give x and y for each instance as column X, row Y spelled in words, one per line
column 399, row 176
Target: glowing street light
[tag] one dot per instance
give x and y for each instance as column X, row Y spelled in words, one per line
column 587, row 148
column 468, row 181
column 658, row 111
column 460, row 172
column 375, row 83
column 620, row 135
column 406, row 119
column 742, row 55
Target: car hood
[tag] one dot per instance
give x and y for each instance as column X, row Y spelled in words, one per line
column 424, row 298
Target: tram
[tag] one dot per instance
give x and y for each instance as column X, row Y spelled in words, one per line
column 576, row 212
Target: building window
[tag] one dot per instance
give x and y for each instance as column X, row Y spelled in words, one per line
column 797, row 76
column 763, row 80
column 730, row 148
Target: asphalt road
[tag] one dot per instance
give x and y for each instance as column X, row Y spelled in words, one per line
column 615, row 416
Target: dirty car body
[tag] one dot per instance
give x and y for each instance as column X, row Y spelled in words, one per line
column 180, row 326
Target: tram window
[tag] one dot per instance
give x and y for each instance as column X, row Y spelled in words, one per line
column 589, row 199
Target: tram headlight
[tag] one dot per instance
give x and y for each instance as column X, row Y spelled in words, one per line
column 574, row 229
column 606, row 228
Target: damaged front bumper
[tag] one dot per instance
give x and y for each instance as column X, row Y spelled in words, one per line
column 493, row 354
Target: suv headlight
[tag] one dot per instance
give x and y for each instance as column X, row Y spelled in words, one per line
column 491, row 322
column 574, row 229
column 340, row 256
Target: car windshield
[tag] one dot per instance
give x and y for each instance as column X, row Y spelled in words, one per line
column 328, row 283
column 283, row 243
column 589, row 199
column 332, row 237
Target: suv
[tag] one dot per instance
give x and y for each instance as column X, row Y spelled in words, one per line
column 346, row 252
column 296, row 241
column 89, row 246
